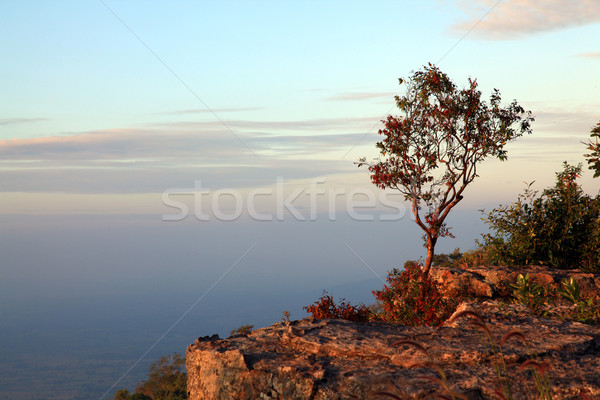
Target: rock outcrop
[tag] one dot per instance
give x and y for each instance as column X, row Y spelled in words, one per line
column 491, row 282
column 337, row 359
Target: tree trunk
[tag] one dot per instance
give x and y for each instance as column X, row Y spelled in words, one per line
column 430, row 249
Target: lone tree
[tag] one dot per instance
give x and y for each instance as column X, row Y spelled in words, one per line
column 430, row 153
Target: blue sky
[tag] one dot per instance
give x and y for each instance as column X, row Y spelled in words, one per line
column 138, row 97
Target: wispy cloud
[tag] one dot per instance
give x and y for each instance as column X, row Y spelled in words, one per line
column 154, row 158
column 217, row 110
column 123, row 143
column 166, row 147
column 182, row 141
column 313, row 125
column 354, row 96
column 11, row 121
column 593, row 54
column 513, row 19
column 157, row 178
column 568, row 123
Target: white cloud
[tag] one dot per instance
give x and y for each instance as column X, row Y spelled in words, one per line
column 171, row 155
column 12, row 121
column 184, row 141
column 593, row 54
column 217, row 111
column 512, row 19
column 354, row 96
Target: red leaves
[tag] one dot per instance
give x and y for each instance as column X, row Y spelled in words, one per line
column 412, row 298
column 326, row 308
column 434, row 147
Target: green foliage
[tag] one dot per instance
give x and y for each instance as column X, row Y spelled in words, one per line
column 141, row 396
column 166, row 379
column 593, row 158
column 124, row 394
column 244, row 330
column 430, row 153
column 587, row 310
column 528, row 293
column 412, row 298
column 456, row 259
column 326, row 308
column 559, row 228
column 541, row 299
column 570, row 290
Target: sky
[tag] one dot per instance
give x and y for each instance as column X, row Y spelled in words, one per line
column 206, row 145
column 121, row 101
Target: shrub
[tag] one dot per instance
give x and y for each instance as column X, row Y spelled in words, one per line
column 530, row 294
column 587, row 309
column 167, row 379
column 413, row 298
column 456, row 259
column 124, row 394
column 326, row 308
column 447, row 259
column 559, row 228
column 544, row 299
column 244, row 330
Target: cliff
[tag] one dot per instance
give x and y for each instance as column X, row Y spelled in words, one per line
column 337, row 359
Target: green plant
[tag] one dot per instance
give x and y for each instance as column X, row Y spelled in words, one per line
column 412, row 298
column 244, row 330
column 167, row 379
column 124, row 394
column 430, row 154
column 559, row 227
column 326, row 308
column 456, row 259
column 541, row 298
column 528, row 293
column 570, row 290
column 587, row 310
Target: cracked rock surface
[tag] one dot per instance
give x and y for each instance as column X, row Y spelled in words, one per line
column 337, row 359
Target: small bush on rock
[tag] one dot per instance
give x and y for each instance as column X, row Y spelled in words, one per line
column 413, row 298
column 326, row 308
column 243, row 330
